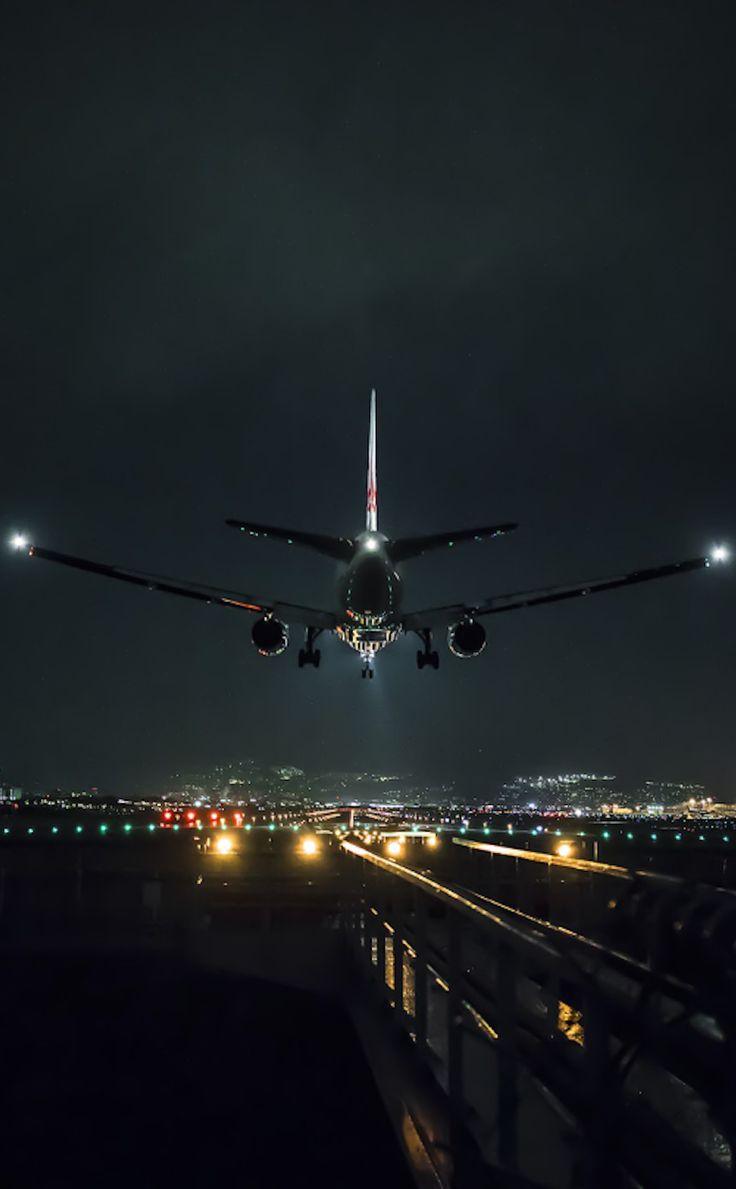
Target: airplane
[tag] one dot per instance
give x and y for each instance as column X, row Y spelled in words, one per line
column 370, row 615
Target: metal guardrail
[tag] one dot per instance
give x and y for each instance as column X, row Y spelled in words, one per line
column 563, row 1063
column 669, row 923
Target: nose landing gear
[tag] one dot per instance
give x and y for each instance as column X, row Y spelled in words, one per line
column 367, row 670
column 309, row 655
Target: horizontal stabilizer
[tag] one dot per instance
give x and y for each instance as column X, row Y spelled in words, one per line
column 406, row 547
column 341, row 548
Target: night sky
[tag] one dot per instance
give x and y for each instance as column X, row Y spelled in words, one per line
column 222, row 225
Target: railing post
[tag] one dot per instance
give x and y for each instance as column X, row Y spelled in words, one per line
column 398, row 944
column 602, row 1169
column 420, row 972
column 455, row 1016
column 508, row 1098
column 380, row 905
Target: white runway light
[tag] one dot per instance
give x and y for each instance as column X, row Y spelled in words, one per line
column 720, row 553
column 19, row 541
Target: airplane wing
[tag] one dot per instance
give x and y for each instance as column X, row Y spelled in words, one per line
column 201, row 592
column 405, row 547
column 341, row 548
column 444, row 616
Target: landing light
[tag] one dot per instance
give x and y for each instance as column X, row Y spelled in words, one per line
column 309, row 847
column 393, row 848
column 432, row 840
column 18, row 541
column 224, row 845
column 719, row 553
column 564, row 850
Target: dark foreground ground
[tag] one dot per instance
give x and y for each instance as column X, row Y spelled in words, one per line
column 145, row 1071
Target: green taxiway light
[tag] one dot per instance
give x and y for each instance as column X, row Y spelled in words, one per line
column 486, row 830
column 653, row 837
column 271, row 826
column 176, row 826
column 54, row 829
column 30, row 829
column 606, row 834
column 678, row 837
column 103, row 828
column 701, row 837
column 79, row 829
column 6, row 830
column 726, row 838
column 629, row 835
column 127, row 827
column 249, row 826
column 151, row 826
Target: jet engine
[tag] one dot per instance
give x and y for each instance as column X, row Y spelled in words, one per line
column 467, row 638
column 270, row 635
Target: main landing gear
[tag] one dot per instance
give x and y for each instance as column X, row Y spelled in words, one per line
column 309, row 655
column 367, row 670
column 425, row 656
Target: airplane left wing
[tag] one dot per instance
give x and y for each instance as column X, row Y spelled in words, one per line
column 444, row 616
column 199, row 591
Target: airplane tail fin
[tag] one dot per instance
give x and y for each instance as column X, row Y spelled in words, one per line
column 371, row 507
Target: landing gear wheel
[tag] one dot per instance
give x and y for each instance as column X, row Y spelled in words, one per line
column 302, row 658
column 434, row 660
column 363, row 672
column 421, row 660
column 316, row 658
column 370, row 674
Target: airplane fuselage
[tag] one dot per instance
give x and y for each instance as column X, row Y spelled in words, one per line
column 370, row 597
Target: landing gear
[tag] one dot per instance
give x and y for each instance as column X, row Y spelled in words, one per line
column 309, row 655
column 425, row 656
column 367, row 671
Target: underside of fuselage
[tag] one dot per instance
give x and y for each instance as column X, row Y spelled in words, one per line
column 370, row 596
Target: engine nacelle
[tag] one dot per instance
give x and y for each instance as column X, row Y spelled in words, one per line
column 270, row 635
column 467, row 638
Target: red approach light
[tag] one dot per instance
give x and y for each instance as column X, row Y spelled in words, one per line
column 167, row 815
column 238, row 819
column 213, row 816
column 190, row 815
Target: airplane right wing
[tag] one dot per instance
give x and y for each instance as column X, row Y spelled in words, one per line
column 435, row 617
column 201, row 592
